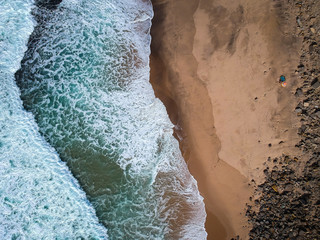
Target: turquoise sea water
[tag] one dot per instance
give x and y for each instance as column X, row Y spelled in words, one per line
column 39, row 198
column 85, row 80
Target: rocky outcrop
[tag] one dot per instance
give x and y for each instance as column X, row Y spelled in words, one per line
column 287, row 204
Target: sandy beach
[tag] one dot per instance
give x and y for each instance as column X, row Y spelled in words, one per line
column 216, row 64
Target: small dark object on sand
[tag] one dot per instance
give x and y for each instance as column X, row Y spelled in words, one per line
column 282, row 79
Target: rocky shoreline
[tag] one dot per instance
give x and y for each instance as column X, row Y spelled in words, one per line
column 287, row 204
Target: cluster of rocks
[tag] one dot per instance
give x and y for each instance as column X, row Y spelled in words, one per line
column 308, row 21
column 287, row 204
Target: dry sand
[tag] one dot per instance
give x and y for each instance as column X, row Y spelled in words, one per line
column 215, row 64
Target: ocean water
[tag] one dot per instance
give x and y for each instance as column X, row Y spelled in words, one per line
column 39, row 198
column 85, row 79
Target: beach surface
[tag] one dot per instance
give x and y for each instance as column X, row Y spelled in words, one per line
column 216, row 67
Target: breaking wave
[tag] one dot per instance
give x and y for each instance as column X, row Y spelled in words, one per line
column 39, row 198
column 85, row 78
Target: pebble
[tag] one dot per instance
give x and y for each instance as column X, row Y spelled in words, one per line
column 299, row 92
column 315, row 83
column 313, row 30
column 317, row 114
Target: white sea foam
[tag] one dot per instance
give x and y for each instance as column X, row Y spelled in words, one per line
column 39, row 198
column 87, row 82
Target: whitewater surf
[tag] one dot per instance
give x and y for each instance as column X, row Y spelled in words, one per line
column 85, row 79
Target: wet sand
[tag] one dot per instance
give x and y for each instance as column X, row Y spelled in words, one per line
column 216, row 65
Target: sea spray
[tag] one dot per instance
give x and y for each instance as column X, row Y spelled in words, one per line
column 39, row 198
column 85, row 77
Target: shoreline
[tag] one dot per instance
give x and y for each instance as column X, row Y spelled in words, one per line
column 215, row 66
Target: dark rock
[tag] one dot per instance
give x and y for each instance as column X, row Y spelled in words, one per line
column 298, row 110
column 302, row 129
column 316, row 114
column 312, row 46
column 300, row 67
column 299, row 92
column 315, row 83
column 288, row 188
